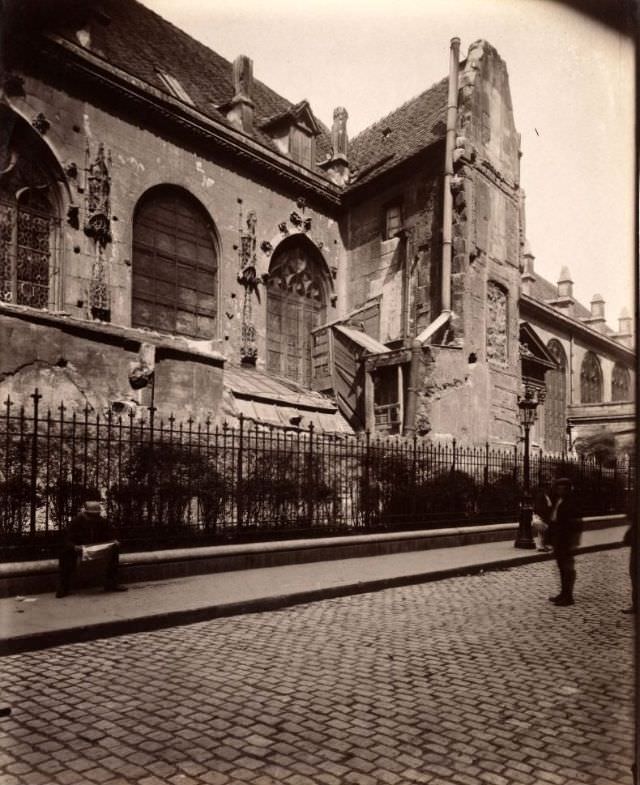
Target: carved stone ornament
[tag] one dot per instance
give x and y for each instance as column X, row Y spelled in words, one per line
column 295, row 219
column 249, row 280
column 41, row 124
column 266, row 247
column 98, row 203
column 282, row 227
column 73, row 218
column 307, row 224
column 497, row 333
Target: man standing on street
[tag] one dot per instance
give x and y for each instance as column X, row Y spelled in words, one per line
column 564, row 530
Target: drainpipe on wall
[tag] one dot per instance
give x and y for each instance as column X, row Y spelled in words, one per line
column 447, row 231
column 447, row 212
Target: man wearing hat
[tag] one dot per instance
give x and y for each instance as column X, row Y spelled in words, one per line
column 90, row 537
column 564, row 530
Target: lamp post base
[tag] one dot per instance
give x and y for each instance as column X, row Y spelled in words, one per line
column 524, row 538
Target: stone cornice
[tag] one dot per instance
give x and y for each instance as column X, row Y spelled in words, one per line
column 547, row 313
column 124, row 86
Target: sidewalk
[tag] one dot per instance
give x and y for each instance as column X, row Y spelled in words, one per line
column 40, row 621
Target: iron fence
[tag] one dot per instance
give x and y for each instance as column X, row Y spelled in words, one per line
column 165, row 482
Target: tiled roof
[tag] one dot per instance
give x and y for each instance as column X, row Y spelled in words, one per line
column 415, row 125
column 137, row 40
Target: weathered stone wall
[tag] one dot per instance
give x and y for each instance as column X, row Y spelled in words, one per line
column 485, row 265
column 144, row 156
column 84, row 364
column 376, row 266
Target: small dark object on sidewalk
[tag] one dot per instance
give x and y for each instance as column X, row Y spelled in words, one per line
column 5, row 711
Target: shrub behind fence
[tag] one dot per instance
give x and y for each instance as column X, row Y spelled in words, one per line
column 168, row 481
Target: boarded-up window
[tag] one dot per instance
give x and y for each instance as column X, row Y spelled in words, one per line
column 497, row 324
column 555, row 404
column 301, row 146
column 620, row 383
column 174, row 265
column 295, row 306
column 590, row 379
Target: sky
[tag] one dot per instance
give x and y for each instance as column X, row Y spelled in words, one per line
column 572, row 87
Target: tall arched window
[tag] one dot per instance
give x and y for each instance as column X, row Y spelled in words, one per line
column 590, row 379
column 620, row 383
column 296, row 303
column 555, row 404
column 175, row 264
column 28, row 214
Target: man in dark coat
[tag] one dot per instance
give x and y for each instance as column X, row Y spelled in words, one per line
column 565, row 528
column 90, row 537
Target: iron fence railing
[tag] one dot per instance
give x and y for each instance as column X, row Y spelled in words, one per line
column 164, row 481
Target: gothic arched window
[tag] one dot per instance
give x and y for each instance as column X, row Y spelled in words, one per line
column 28, row 215
column 555, row 404
column 620, row 383
column 590, row 379
column 175, row 264
column 296, row 304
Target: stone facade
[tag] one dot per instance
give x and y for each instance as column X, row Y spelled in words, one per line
column 187, row 235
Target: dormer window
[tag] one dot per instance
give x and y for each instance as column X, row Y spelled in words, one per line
column 173, row 86
column 294, row 133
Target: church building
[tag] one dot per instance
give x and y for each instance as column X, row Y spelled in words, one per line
column 174, row 234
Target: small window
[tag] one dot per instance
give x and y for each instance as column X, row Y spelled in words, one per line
column 590, row 379
column 175, row 88
column 392, row 220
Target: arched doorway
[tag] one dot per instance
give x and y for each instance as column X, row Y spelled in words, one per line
column 555, row 405
column 296, row 304
column 175, row 264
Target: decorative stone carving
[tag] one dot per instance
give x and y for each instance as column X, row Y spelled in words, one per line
column 497, row 324
column 295, row 219
column 266, row 247
column 41, row 124
column 248, row 279
column 73, row 218
column 98, row 203
column 282, row 227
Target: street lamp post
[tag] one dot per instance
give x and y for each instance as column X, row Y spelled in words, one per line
column 527, row 407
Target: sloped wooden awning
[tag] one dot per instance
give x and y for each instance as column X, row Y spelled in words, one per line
column 535, row 358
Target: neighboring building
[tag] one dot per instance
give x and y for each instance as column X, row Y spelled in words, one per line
column 176, row 234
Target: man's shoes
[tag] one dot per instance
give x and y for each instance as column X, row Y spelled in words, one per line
column 62, row 593
column 544, row 548
column 562, row 601
column 116, row 588
column 556, row 598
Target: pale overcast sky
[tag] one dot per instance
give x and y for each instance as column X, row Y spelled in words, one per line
column 572, row 85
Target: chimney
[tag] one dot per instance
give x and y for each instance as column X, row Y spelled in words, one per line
column 528, row 277
column 337, row 165
column 596, row 320
column 625, row 328
column 565, row 284
column 240, row 112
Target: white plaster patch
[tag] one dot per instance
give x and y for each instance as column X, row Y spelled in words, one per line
column 199, row 167
column 208, row 182
column 84, row 36
column 86, row 124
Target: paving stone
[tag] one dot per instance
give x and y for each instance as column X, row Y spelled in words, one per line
column 468, row 681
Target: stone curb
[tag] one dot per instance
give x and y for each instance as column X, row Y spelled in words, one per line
column 45, row 640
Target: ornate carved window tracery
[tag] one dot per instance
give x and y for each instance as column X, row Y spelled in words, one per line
column 621, row 384
column 590, row 379
column 28, row 219
column 175, row 265
column 555, row 404
column 296, row 304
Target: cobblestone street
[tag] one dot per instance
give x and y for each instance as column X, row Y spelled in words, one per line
column 467, row 681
